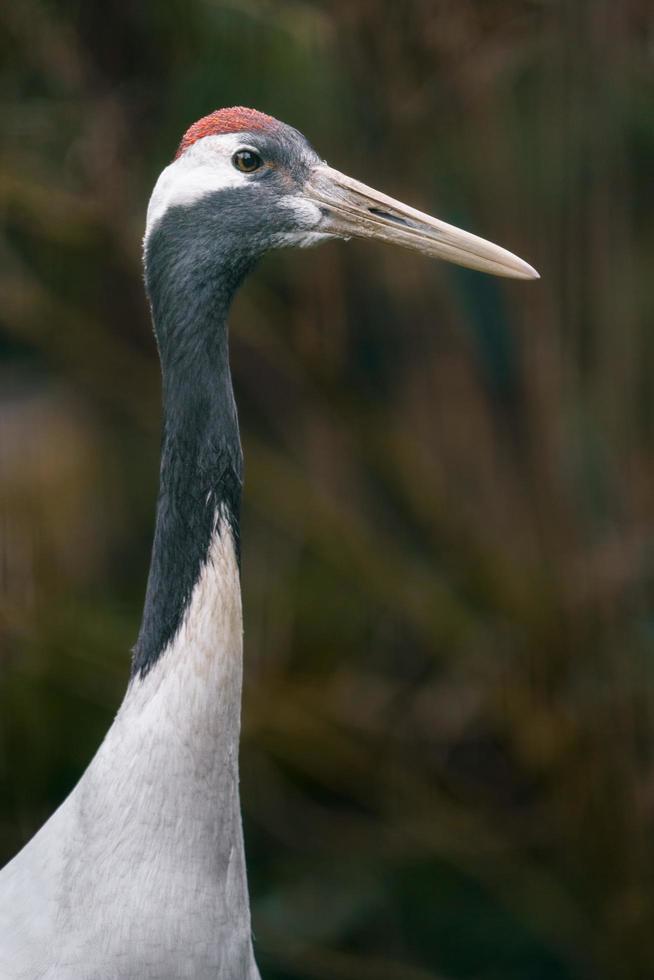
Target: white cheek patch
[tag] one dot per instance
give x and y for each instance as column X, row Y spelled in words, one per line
column 309, row 218
column 204, row 168
column 307, row 213
column 301, row 239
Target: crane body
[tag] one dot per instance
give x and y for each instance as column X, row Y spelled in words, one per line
column 140, row 874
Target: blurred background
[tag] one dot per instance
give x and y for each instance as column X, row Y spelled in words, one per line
column 448, row 527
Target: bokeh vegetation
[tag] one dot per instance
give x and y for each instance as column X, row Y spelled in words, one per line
column 448, row 527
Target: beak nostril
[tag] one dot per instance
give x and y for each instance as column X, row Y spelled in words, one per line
column 389, row 217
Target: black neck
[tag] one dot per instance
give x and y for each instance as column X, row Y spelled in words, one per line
column 190, row 287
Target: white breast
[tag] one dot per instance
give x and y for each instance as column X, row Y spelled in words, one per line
column 141, row 872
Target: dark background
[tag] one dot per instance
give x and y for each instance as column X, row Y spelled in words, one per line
column 448, row 524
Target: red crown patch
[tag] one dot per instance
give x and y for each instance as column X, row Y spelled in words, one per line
column 238, row 119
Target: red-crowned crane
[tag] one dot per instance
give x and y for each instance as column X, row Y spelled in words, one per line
column 140, row 874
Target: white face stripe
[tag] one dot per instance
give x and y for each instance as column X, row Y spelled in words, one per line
column 205, row 167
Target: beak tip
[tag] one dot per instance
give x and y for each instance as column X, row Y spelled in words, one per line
column 528, row 272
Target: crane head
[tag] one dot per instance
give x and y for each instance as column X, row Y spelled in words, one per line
column 261, row 185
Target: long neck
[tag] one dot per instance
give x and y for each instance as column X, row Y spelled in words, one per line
column 201, row 462
column 160, row 802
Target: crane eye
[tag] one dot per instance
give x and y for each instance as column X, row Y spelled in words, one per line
column 247, row 161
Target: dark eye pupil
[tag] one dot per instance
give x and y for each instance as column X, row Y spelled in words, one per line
column 247, row 161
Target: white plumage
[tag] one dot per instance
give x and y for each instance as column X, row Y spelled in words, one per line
column 144, row 861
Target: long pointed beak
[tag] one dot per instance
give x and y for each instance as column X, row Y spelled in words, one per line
column 353, row 210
